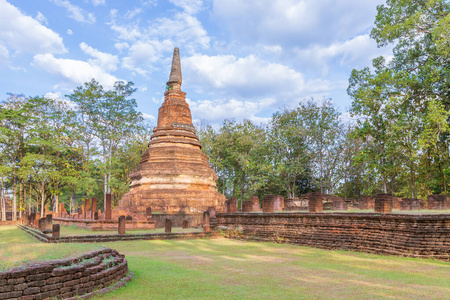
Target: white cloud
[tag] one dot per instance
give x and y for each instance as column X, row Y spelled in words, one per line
column 249, row 76
column 22, row 33
column 98, row 2
column 76, row 12
column 149, row 45
column 69, row 31
column 76, row 71
column 219, row 109
column 4, row 56
column 149, row 117
column 142, row 55
column 132, row 13
column 105, row 61
column 356, row 52
column 121, row 46
column 189, row 6
column 293, row 22
column 41, row 18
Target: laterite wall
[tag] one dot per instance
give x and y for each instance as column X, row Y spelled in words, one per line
column 65, row 278
column 406, row 235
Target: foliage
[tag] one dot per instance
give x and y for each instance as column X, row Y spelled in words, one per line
column 403, row 104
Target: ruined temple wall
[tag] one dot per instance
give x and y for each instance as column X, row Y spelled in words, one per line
column 406, row 235
column 80, row 276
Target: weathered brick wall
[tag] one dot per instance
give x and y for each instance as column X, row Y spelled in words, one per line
column 65, row 278
column 95, row 225
column 406, row 235
column 105, row 238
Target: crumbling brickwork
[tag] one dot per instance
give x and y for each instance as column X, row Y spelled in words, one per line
column 80, row 276
column 396, row 234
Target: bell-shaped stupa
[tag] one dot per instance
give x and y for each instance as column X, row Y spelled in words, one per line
column 174, row 175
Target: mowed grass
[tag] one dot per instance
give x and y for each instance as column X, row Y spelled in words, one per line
column 73, row 231
column 230, row 269
column 224, row 268
column 18, row 248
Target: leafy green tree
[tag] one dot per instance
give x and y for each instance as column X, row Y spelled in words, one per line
column 403, row 104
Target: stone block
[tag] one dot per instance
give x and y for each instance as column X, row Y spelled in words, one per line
column 438, row 202
column 232, row 205
column 367, row 202
column 49, row 221
column 278, row 203
column 315, row 202
column 56, row 231
column 247, row 206
column 121, row 225
column 268, row 205
column 256, row 206
column 168, row 225
column 206, row 222
column 108, row 207
column 148, row 212
column 184, row 224
column 42, row 224
column 383, row 203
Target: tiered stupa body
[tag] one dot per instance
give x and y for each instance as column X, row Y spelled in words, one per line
column 174, row 175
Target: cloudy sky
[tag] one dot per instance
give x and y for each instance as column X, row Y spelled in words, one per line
column 240, row 58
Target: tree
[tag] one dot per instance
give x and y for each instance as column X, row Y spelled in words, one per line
column 403, row 104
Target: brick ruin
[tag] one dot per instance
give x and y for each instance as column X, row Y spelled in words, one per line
column 174, row 175
column 438, row 202
column 396, row 234
column 367, row 202
column 87, row 275
column 412, row 204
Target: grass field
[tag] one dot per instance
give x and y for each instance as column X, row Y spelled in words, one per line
column 18, row 248
column 223, row 268
column 73, row 230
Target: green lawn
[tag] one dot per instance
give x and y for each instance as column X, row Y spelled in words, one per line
column 223, row 268
column 17, row 248
column 73, row 230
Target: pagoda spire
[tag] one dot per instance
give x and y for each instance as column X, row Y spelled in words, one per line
column 175, row 72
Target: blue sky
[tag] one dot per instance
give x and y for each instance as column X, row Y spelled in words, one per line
column 240, row 58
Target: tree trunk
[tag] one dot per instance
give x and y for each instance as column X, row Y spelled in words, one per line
column 2, row 198
column 20, row 200
column 43, row 199
column 14, row 204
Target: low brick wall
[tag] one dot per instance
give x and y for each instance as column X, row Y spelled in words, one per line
column 104, row 238
column 103, row 224
column 80, row 277
column 194, row 220
column 8, row 222
column 405, row 235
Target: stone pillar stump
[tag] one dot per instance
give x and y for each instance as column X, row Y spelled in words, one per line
column 108, row 207
column 49, row 221
column 206, row 222
column 247, row 206
column 122, row 222
column 168, row 225
column 268, row 205
column 279, row 203
column 42, row 224
column 56, row 230
column 315, row 203
column 255, row 203
column 383, row 203
column 232, row 205
column 184, row 224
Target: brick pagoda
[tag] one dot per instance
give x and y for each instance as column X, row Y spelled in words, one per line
column 174, row 175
